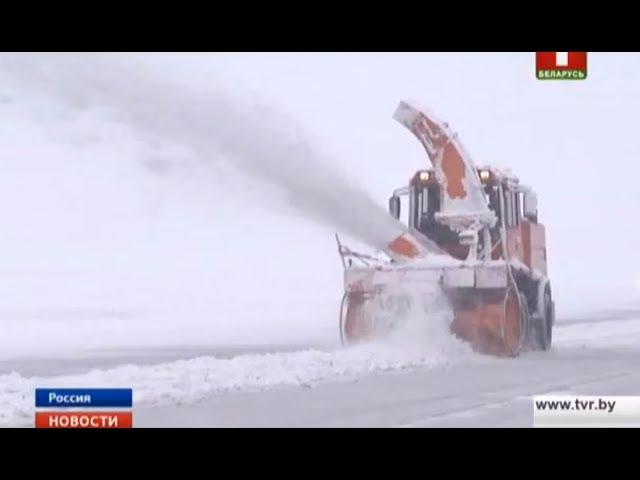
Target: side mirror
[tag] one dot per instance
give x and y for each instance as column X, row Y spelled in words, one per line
column 394, row 207
column 530, row 207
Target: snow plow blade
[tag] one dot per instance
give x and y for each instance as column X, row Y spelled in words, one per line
column 487, row 312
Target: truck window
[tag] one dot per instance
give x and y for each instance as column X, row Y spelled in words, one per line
column 494, row 200
column 508, row 205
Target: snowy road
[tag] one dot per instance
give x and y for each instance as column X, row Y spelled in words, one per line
column 589, row 357
column 444, row 385
column 491, row 394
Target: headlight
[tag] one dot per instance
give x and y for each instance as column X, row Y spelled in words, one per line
column 485, row 175
column 424, row 176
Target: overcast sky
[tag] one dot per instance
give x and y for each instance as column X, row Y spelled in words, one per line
column 574, row 142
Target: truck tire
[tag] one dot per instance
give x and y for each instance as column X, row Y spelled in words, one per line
column 544, row 323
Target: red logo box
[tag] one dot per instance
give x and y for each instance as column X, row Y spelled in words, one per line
column 99, row 419
column 561, row 65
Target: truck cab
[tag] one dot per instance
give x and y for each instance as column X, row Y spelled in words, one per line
column 514, row 205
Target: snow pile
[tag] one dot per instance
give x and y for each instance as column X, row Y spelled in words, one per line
column 196, row 379
column 420, row 341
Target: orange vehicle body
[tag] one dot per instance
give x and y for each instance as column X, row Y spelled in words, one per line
column 480, row 227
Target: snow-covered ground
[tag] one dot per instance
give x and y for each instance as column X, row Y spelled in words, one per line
column 413, row 343
column 436, row 382
column 480, row 393
column 167, row 223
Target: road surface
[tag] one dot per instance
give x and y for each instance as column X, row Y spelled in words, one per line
column 592, row 355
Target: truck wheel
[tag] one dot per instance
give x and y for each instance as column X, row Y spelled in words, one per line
column 544, row 325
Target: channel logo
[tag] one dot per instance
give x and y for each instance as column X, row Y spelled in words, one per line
column 84, row 408
column 561, row 65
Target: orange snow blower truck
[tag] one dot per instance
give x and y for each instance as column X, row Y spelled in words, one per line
column 472, row 231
